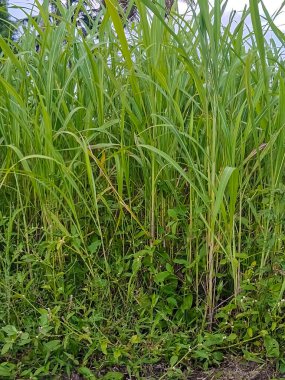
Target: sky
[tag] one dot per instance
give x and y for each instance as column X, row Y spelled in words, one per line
column 237, row 5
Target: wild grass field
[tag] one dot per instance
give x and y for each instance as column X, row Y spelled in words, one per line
column 141, row 193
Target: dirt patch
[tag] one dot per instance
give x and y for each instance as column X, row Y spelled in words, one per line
column 231, row 369
column 238, row 369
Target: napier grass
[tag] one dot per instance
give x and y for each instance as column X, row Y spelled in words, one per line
column 142, row 192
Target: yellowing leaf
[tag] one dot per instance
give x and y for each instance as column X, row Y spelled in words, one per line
column 135, row 339
column 104, row 346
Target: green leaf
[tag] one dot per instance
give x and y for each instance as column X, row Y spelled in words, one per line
column 135, row 339
column 218, row 356
column 252, row 357
column 136, row 266
column 169, row 268
column 10, row 330
column 7, row 370
column 172, row 301
column 259, row 36
column 6, row 348
column 10, row 89
column 52, row 345
column 250, row 332
column 173, row 360
column 187, row 303
column 213, row 339
column 201, row 354
column 117, row 354
column 7, row 50
column 232, row 337
column 271, row 346
column 87, row 373
column 118, row 24
column 242, row 255
column 282, row 366
column 25, row 336
column 226, row 175
column 181, row 261
column 172, row 213
column 104, row 345
column 161, row 276
column 93, row 247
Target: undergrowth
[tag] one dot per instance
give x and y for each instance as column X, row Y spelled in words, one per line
column 142, row 192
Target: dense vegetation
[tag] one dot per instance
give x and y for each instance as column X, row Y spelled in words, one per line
column 142, row 193
column 4, row 19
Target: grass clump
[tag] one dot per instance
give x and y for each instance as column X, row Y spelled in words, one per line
column 142, row 192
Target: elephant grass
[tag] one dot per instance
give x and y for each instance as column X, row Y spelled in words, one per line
column 142, row 191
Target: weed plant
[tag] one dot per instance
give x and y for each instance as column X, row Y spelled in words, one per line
column 142, row 192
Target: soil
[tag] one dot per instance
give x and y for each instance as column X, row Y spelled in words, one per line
column 231, row 369
column 238, row 369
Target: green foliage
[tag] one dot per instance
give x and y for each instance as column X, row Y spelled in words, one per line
column 142, row 195
column 4, row 19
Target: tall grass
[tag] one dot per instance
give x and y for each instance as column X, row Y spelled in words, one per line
column 142, row 182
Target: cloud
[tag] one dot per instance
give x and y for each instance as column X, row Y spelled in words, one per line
column 237, row 5
column 19, row 8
